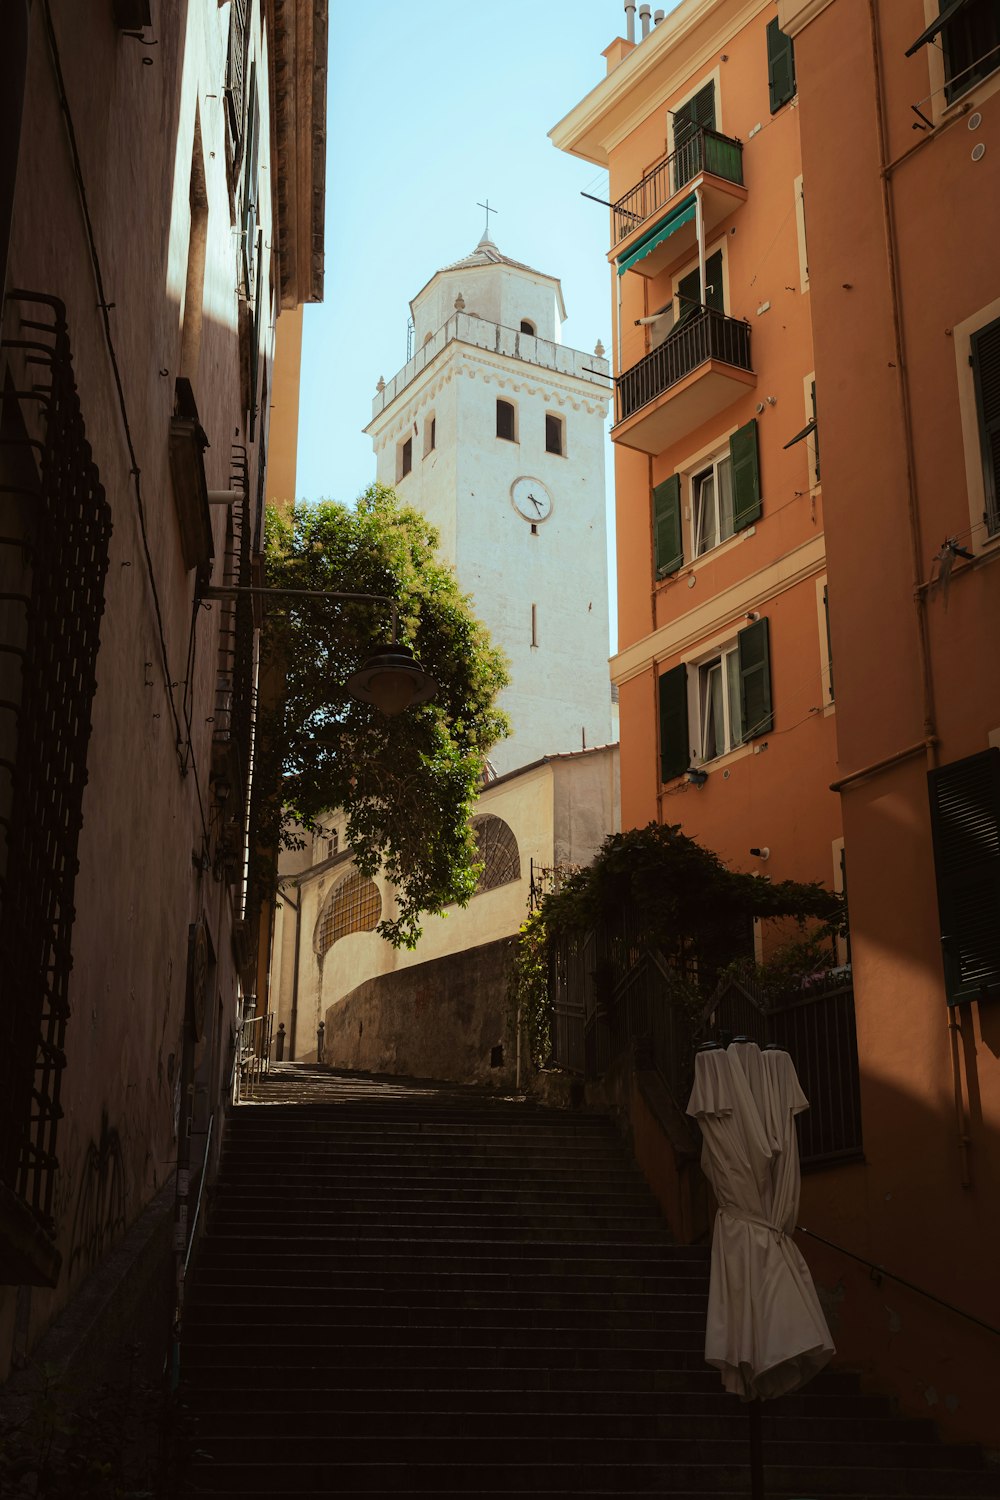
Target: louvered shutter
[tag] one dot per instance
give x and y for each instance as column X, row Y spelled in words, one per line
column 668, row 544
column 696, row 115
column 965, row 826
column 780, row 66
column 675, row 751
column 986, row 370
column 812, row 397
column 713, row 282
column 236, row 71
column 753, row 645
column 746, row 475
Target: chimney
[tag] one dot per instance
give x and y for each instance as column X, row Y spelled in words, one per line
column 657, row 17
column 630, row 20
column 644, row 15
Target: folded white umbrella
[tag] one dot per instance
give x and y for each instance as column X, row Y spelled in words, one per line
column 766, row 1333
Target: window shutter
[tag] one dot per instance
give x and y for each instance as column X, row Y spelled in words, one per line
column 668, row 544
column 986, row 371
column 713, row 281
column 702, row 106
column 812, row 395
column 780, row 66
column 965, row 826
column 746, row 475
column 675, row 751
column 755, row 680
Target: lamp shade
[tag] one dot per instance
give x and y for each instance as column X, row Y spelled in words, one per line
column 393, row 680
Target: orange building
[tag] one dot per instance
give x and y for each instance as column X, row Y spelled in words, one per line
column 723, row 667
column 903, row 221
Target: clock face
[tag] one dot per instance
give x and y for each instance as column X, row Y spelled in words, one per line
column 531, row 499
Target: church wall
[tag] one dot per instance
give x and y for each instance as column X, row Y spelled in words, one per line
column 494, row 292
column 430, row 485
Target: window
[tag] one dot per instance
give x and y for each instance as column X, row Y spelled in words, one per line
column 809, row 432
column 826, row 645
column 712, row 505
column 496, row 848
column 354, row 905
column 965, row 827
column 688, row 290
column 780, row 66
column 553, row 433
column 527, row 326
column 725, row 498
column 724, row 698
column 505, row 421
column 430, row 435
column 404, row 459
column 236, row 62
column 719, row 715
column 985, row 361
column 689, row 121
column 969, row 33
column 327, row 844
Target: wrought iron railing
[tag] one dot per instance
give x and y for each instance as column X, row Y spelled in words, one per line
column 703, row 151
column 254, row 1057
column 53, row 561
column 708, row 334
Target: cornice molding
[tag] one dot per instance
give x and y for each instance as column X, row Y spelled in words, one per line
column 297, row 33
column 794, row 15
column 725, row 608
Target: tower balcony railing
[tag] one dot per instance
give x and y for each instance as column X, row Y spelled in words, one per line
column 495, row 338
column 703, row 151
column 698, row 370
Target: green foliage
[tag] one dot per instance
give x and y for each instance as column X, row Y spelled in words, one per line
column 681, row 900
column 793, row 967
column 407, row 784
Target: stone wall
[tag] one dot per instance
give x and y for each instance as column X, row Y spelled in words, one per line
column 442, row 1019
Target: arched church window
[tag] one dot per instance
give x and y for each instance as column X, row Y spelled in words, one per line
column 527, row 326
column 554, row 433
column 496, row 847
column 506, row 427
column 353, row 905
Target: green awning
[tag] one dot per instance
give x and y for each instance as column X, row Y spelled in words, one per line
column 682, row 214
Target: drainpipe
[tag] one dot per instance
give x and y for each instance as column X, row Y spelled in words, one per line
column 962, row 1126
column 700, row 229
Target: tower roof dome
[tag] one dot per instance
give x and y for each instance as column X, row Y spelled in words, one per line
column 487, row 253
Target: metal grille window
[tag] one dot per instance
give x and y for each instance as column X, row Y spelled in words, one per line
column 965, row 824
column 496, row 847
column 236, row 63
column 54, row 558
column 354, row 905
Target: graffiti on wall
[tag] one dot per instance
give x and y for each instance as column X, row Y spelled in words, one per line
column 100, row 1215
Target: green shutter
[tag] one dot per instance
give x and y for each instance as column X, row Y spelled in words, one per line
column 780, row 66
column 985, row 360
column 675, row 751
column 713, row 281
column 812, row 393
column 689, row 293
column 668, row 544
column 965, row 825
column 746, row 475
column 755, row 680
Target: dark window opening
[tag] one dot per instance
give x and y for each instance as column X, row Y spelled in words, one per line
column 969, row 34
column 985, row 361
column 505, row 421
column 527, row 327
column 406, row 458
column 553, row 433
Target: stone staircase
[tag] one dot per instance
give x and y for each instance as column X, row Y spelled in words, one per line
column 411, row 1288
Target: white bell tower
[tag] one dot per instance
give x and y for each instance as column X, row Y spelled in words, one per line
column 495, row 431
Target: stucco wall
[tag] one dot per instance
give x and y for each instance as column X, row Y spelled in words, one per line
column 441, row 1019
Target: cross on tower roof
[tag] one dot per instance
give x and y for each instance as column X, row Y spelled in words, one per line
column 486, row 205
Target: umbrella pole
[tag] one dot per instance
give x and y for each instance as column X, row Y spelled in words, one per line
column 756, row 1453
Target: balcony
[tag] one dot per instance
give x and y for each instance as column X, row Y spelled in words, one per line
column 665, row 199
column 698, row 370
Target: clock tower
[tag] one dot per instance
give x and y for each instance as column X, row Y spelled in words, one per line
column 495, row 431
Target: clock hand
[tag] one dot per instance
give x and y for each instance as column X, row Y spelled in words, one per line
column 535, row 503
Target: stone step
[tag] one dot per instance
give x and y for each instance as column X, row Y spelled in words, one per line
column 548, row 1338
column 246, row 1301
column 276, row 1281
column 380, row 1347
column 211, row 1318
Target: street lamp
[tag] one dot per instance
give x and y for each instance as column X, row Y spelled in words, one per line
column 391, row 678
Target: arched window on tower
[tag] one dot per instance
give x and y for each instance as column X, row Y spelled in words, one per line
column 528, row 327
column 496, row 847
column 353, row 905
column 506, row 421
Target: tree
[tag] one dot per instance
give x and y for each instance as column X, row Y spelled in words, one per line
column 407, row 784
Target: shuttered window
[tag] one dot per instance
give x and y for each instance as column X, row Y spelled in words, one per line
column 985, row 360
column 505, row 420
column 675, row 749
column 965, row 825
column 696, row 115
column 668, row 546
column 780, row 66
column 236, row 72
column 756, row 710
column 746, row 475
column 689, row 296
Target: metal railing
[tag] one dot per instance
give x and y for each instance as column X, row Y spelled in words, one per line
column 254, row 1058
column 495, row 338
column 703, row 151
column 708, row 334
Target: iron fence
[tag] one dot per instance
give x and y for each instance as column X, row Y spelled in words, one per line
column 708, row 334
column 703, row 151
column 254, row 1055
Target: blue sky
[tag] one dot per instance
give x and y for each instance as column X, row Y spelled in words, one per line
column 434, row 107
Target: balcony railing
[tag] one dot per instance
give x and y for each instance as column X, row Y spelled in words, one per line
column 707, row 335
column 495, row 338
column 704, row 151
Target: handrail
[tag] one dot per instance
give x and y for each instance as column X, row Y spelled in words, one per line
column 704, row 150
column 910, row 1285
column 201, row 1187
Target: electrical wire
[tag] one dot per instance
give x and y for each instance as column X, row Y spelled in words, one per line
column 104, row 306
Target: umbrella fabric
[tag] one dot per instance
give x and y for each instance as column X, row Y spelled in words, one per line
column 766, row 1333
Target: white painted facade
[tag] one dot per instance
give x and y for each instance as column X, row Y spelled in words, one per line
column 541, row 587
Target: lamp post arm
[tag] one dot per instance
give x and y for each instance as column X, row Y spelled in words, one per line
column 235, row 591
